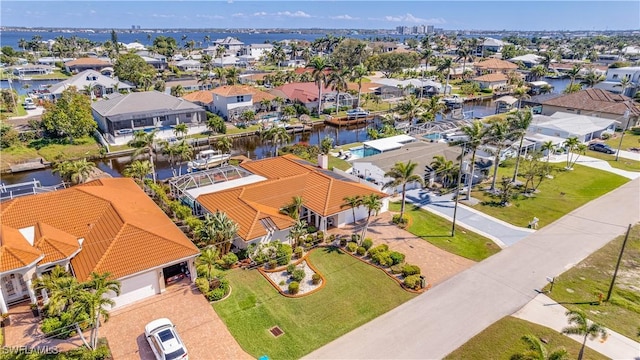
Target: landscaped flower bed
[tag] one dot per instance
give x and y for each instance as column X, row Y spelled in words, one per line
column 296, row 279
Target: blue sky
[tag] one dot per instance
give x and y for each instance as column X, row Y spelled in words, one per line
column 452, row 14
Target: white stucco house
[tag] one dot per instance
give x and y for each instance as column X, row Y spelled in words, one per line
column 565, row 125
column 107, row 225
column 231, row 100
column 615, row 75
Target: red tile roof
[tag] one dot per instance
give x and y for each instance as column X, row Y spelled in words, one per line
column 496, row 64
column 495, row 77
column 288, row 176
column 124, row 231
column 87, row 62
column 596, row 100
column 15, row 250
column 307, row 92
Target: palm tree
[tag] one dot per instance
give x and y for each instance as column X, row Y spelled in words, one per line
column 537, row 351
column 402, row 174
column 358, row 74
column 625, row 83
column 206, row 262
column 464, row 54
column 521, row 92
column 582, row 327
column 538, row 71
column 183, row 152
column 218, row 230
column 298, row 230
column 221, row 74
column 547, row 59
column 278, row 135
column 446, row 65
column 293, row 208
column 75, row 171
column 138, row 169
column 445, row 169
column 573, row 74
column 220, row 51
column 215, row 124
column 549, row 147
column 224, row 144
column 94, row 302
column 319, row 65
column 432, row 107
column 373, row 204
column 338, row 82
column 353, row 202
column 144, row 144
column 56, row 280
column 570, row 144
column 498, row 134
column 591, row 79
column 476, row 134
column 520, row 122
column 233, row 75
column 180, row 130
column 411, row 107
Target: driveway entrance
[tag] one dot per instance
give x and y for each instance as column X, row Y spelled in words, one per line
column 202, row 331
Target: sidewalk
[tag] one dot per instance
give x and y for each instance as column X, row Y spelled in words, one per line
column 601, row 164
column 502, row 233
column 544, row 311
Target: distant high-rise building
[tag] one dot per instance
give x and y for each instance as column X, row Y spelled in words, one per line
column 138, row 27
column 133, row 27
column 421, row 29
column 430, row 29
column 399, row 29
column 414, row 29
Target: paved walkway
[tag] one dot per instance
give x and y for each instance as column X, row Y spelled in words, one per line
column 447, row 316
column 544, row 311
column 438, row 265
column 603, row 165
column 501, row 232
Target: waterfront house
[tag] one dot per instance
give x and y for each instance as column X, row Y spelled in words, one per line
column 256, row 51
column 528, row 60
column 231, row 44
column 231, row 100
column 490, row 45
column 189, row 65
column 99, row 84
column 107, row 225
column 306, row 93
column 120, row 116
column 87, row 63
column 253, row 193
column 595, row 102
column 29, row 70
column 615, row 75
column 565, row 125
column 202, row 98
column 493, row 66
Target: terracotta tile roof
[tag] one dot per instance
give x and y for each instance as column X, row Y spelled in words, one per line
column 307, row 92
column 495, row 77
column 15, row 250
column 595, row 100
column 288, row 176
column 202, row 96
column 235, row 90
column 496, row 64
column 87, row 61
column 124, row 231
column 54, row 243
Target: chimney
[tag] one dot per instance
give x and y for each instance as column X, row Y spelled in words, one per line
column 323, row 161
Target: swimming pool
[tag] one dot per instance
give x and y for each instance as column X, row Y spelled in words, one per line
column 433, row 136
column 363, row 151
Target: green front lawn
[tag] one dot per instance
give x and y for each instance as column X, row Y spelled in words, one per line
column 557, row 197
column 355, row 293
column 578, row 288
column 437, row 231
column 629, row 141
column 502, row 340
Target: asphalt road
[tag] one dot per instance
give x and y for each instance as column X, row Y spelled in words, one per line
column 436, row 323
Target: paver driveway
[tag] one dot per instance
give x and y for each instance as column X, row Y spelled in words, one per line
column 204, row 334
column 437, row 264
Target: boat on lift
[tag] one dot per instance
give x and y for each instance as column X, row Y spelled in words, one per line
column 207, row 159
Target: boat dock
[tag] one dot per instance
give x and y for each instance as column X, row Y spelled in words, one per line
column 345, row 121
column 33, row 164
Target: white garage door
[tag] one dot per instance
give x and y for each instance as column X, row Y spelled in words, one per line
column 137, row 288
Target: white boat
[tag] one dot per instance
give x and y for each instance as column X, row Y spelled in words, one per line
column 454, row 99
column 207, row 159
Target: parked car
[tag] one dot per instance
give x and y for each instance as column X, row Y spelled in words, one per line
column 164, row 340
column 359, row 112
column 601, row 148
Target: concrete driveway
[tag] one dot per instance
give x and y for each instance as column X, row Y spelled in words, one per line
column 203, row 332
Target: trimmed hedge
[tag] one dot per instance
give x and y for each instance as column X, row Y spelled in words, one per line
column 367, row 243
column 361, row 250
column 351, row 247
column 294, row 287
column 412, row 282
column 315, row 279
column 410, row 270
column 298, row 275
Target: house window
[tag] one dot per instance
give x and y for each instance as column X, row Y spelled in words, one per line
column 189, row 115
column 615, row 76
column 240, row 98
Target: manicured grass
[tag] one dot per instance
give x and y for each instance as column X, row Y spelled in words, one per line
column 437, row 231
column 337, row 163
column 629, row 141
column 116, row 148
column 578, row 288
column 503, row 339
column 346, row 147
column 53, row 76
column 234, row 130
column 622, row 163
column 355, row 293
column 567, row 191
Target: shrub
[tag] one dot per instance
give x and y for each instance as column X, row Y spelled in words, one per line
column 59, row 326
column 193, row 223
column 377, row 249
column 355, row 237
column 412, row 282
column 229, row 259
column 409, row 270
column 635, row 130
column 298, row 275
column 400, row 221
column 343, row 241
column 299, row 252
column 294, row 287
column 331, row 238
column 367, row 243
column 315, row 279
column 273, row 264
column 203, row 285
column 361, row 250
column 216, row 294
column 291, row 268
column 397, row 257
column 312, row 229
column 382, row 258
column 351, row 247
column 397, row 269
column 283, row 253
column 282, row 283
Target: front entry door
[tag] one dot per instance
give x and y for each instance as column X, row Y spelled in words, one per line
column 14, row 287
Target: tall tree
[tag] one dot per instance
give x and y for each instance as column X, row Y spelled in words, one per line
column 579, row 325
column 476, row 134
column 319, row 67
column 293, row 208
column 206, row 262
column 573, row 74
column 411, row 107
column 338, row 82
column 278, row 135
column 138, row 169
column 145, row 144
column 133, row 68
column 498, row 134
column 520, row 122
column 373, row 203
column 402, row 174
column 353, row 202
column 592, row 78
column 432, row 107
column 446, row 65
column 571, row 144
column 218, row 230
column 94, row 303
column 358, row 74
column 70, row 116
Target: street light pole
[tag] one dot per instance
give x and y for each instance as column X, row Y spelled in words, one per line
column 626, row 117
column 615, row 272
column 455, row 207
